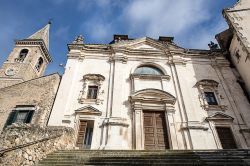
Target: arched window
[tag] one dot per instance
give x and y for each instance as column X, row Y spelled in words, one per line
column 22, row 55
column 39, row 64
column 148, row 70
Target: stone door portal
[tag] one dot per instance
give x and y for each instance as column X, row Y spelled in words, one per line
column 226, row 138
column 155, row 131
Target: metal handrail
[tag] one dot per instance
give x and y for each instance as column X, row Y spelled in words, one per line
column 27, row 144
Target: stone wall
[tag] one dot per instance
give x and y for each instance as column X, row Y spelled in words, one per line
column 38, row 92
column 20, row 134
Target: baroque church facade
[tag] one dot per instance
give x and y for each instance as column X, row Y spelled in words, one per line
column 141, row 94
column 150, row 94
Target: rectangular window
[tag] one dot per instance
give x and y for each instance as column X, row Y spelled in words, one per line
column 92, row 92
column 210, row 97
column 19, row 116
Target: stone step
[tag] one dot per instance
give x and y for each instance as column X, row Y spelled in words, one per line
column 117, row 158
column 138, row 163
column 158, row 153
column 132, row 157
column 147, row 157
column 134, row 151
column 119, row 164
column 114, row 154
column 143, row 156
column 124, row 160
column 74, row 156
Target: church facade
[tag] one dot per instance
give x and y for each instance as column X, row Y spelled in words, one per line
column 150, row 94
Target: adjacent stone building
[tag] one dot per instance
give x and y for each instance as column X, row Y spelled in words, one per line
column 26, row 96
column 30, row 101
column 235, row 42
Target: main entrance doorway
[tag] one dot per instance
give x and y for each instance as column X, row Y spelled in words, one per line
column 155, row 130
column 226, row 138
column 85, row 133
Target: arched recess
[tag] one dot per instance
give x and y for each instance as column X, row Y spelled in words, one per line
column 147, row 74
column 149, row 64
column 155, row 101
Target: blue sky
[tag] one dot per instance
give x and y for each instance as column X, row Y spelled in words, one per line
column 193, row 23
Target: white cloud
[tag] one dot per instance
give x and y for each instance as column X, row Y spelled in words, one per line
column 203, row 36
column 158, row 17
column 97, row 29
column 62, row 32
column 182, row 19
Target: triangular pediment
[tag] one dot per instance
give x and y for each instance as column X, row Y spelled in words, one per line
column 220, row 116
column 153, row 95
column 144, row 46
column 88, row 110
column 147, row 44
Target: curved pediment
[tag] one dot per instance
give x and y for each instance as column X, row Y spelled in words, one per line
column 88, row 110
column 207, row 82
column 153, row 95
column 98, row 77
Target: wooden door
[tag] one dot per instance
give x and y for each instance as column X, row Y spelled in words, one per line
column 155, row 131
column 226, row 138
column 81, row 133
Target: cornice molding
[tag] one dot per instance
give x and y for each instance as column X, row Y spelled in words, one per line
column 115, row 121
column 39, row 42
column 150, row 77
column 193, row 126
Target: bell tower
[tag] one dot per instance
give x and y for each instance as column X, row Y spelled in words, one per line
column 28, row 59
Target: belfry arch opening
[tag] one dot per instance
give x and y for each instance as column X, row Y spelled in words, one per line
column 39, row 64
column 22, row 55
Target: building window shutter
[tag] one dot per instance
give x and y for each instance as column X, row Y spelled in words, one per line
column 11, row 118
column 29, row 116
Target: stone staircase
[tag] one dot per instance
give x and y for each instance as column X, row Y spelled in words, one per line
column 133, row 157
